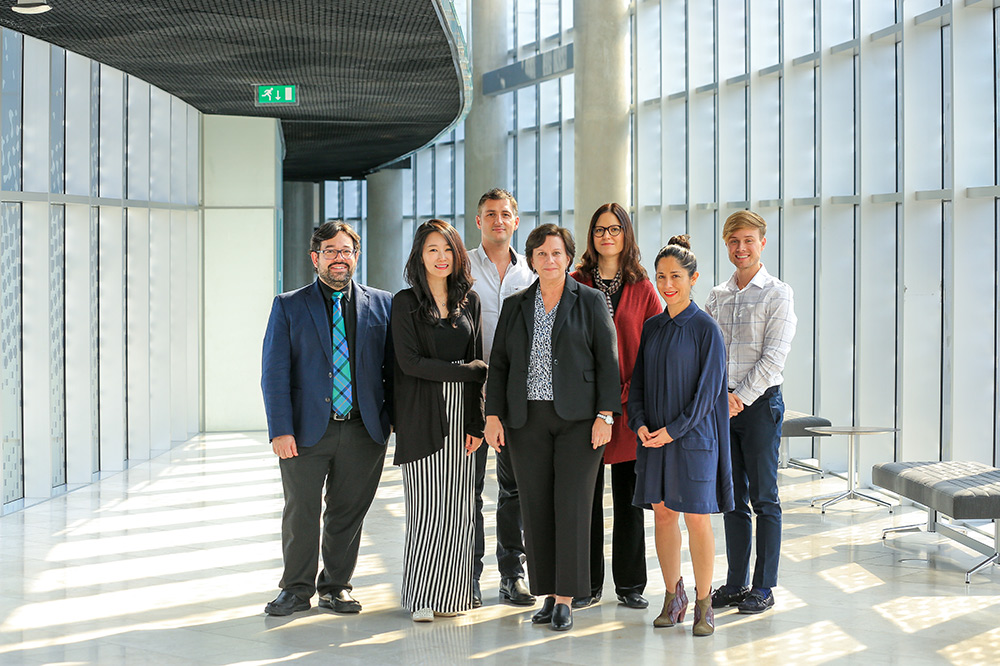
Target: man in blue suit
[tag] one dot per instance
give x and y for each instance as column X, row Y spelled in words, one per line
column 326, row 377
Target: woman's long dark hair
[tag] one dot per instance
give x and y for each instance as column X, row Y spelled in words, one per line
column 459, row 282
column 632, row 270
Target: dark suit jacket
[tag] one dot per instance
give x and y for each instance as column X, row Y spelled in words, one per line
column 584, row 357
column 297, row 364
column 421, row 416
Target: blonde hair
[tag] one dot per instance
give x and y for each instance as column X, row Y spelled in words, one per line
column 743, row 219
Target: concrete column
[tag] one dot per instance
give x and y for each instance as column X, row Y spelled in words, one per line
column 241, row 185
column 386, row 244
column 600, row 134
column 301, row 214
column 486, row 124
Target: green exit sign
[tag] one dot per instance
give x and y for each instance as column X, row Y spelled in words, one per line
column 267, row 95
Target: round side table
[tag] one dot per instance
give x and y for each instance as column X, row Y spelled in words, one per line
column 852, row 492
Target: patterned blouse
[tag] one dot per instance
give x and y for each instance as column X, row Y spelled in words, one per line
column 540, row 361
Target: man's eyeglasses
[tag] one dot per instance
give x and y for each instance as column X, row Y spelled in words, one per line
column 336, row 254
column 614, row 230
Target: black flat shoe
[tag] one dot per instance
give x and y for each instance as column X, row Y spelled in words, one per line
column 515, row 591
column 342, row 602
column 562, row 618
column 633, row 600
column 544, row 616
column 286, row 603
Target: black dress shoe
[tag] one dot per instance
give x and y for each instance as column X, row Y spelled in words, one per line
column 757, row 601
column 562, row 618
column 583, row 602
column 633, row 600
column 729, row 595
column 341, row 602
column 544, row 616
column 477, row 595
column 286, row 603
column 515, row 591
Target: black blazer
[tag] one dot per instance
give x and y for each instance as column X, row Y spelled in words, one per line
column 421, row 418
column 584, row 357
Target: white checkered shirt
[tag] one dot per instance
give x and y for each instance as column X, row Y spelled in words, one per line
column 758, row 324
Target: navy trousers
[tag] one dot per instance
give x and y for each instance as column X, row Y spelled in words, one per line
column 754, row 435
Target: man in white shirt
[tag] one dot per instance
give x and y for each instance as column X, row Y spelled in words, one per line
column 498, row 272
column 755, row 312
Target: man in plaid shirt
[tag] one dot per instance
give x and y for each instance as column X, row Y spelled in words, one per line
column 754, row 310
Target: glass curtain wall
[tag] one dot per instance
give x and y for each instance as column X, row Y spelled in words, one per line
column 858, row 130
column 865, row 133
column 99, row 312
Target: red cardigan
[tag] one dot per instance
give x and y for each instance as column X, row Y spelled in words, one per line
column 639, row 302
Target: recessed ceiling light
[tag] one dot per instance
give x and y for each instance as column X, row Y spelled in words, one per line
column 31, row 7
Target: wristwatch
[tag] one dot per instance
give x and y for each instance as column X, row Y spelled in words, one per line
column 607, row 418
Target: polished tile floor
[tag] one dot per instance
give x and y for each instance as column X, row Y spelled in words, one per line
column 172, row 562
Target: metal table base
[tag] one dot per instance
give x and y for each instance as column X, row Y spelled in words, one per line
column 852, row 492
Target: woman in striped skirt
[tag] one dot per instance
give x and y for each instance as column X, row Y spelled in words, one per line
column 437, row 335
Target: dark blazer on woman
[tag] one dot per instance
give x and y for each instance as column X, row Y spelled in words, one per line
column 421, row 419
column 584, row 357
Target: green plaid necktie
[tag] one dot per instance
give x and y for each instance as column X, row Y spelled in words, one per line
column 341, row 361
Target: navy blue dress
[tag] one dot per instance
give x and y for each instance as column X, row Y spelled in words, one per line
column 679, row 382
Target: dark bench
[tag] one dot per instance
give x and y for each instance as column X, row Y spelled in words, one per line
column 959, row 490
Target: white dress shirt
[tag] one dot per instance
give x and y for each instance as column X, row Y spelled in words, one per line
column 492, row 290
column 758, row 324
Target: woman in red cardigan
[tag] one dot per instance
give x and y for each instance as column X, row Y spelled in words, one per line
column 611, row 265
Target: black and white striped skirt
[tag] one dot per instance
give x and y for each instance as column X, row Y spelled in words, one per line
column 440, row 520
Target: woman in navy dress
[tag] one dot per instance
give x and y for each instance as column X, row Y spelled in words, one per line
column 679, row 408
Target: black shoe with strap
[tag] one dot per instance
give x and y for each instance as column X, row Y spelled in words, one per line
column 341, row 602
column 633, row 599
column 729, row 595
column 583, row 602
column 757, row 601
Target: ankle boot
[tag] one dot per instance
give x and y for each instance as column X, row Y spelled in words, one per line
column 704, row 616
column 674, row 607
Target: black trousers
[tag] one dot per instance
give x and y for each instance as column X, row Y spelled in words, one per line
column 345, row 465
column 628, row 536
column 556, row 468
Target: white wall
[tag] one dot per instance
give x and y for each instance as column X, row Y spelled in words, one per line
column 241, row 171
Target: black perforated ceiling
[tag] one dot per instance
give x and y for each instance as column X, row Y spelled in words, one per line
column 376, row 79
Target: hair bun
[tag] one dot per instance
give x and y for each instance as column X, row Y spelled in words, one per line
column 683, row 240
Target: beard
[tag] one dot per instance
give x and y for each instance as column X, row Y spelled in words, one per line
column 337, row 281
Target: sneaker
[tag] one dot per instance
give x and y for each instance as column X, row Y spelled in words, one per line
column 756, row 602
column 729, row 595
column 423, row 615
